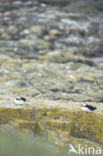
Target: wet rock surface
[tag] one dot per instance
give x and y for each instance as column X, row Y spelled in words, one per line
column 51, row 52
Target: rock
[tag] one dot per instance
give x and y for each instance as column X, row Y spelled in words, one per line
column 47, row 115
column 51, row 53
column 5, row 36
column 40, row 44
column 38, row 30
column 12, row 29
column 54, row 2
column 53, row 32
column 25, row 32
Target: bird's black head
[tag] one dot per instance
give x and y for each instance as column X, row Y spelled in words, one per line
column 18, row 98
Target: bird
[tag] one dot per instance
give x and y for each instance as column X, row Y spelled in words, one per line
column 88, row 108
column 20, row 100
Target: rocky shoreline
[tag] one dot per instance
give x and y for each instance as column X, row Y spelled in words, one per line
column 52, row 55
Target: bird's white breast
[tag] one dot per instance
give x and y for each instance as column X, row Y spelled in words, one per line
column 85, row 109
column 19, row 102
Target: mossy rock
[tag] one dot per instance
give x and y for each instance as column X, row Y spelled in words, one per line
column 5, row 36
column 63, row 57
column 58, row 117
column 89, row 126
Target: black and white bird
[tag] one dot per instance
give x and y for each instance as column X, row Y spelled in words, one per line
column 88, row 108
column 20, row 100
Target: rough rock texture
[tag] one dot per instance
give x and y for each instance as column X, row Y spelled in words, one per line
column 61, row 122
column 53, row 56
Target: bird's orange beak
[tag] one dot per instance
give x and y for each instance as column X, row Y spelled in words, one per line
column 81, row 105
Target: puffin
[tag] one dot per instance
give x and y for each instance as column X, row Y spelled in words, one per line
column 20, row 100
column 88, row 108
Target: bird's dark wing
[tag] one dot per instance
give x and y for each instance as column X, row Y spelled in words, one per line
column 23, row 99
column 91, row 107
